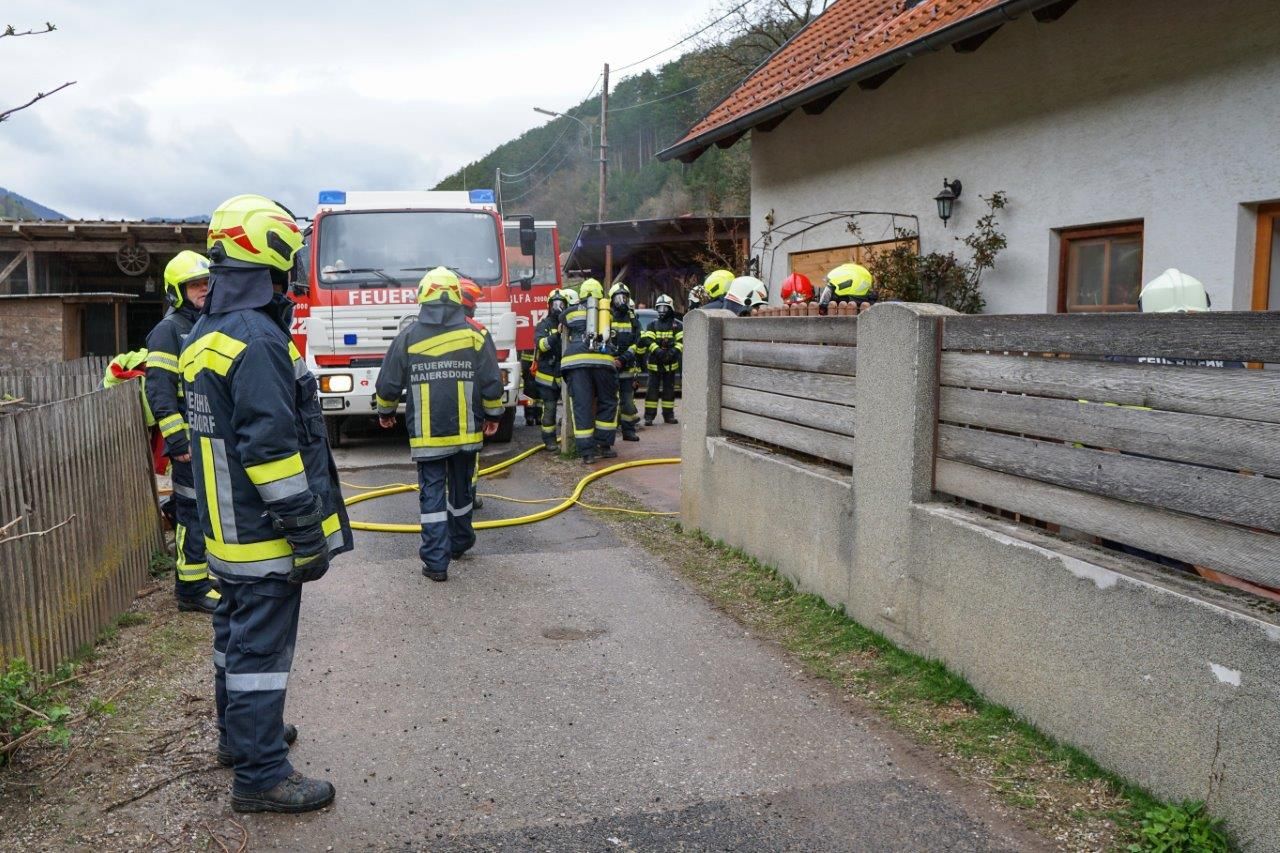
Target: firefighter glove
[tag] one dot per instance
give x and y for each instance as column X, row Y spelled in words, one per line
column 306, row 537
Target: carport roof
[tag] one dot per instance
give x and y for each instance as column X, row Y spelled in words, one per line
column 853, row 41
column 665, row 239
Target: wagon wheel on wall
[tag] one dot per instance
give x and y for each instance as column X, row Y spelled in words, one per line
column 133, row 260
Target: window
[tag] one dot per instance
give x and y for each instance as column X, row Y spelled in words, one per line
column 1100, row 269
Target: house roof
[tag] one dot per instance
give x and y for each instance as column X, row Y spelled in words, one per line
column 853, row 41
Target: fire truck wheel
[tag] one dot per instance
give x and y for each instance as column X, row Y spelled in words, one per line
column 333, row 426
column 506, row 428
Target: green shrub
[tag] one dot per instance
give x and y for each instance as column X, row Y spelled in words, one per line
column 1182, row 828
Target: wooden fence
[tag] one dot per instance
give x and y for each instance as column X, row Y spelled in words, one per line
column 54, row 382
column 1114, row 426
column 789, row 382
column 79, row 518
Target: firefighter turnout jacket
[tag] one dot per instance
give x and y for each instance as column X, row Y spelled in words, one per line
column 583, row 350
column 546, row 336
column 626, row 341
column 164, row 381
column 257, row 440
column 450, row 370
column 663, row 345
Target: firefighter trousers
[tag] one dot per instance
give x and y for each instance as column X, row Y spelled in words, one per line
column 533, row 391
column 628, row 416
column 193, row 571
column 594, row 392
column 254, row 631
column 662, row 390
column 445, row 501
column 550, row 396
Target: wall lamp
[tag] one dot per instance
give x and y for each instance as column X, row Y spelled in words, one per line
column 947, row 199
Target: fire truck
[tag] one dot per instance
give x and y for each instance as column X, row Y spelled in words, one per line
column 356, row 285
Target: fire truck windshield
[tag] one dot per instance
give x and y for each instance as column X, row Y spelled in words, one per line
column 359, row 249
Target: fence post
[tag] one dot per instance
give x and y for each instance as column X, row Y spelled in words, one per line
column 699, row 404
column 897, row 393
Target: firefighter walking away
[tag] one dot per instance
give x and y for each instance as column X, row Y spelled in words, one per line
column 590, row 373
column 449, row 370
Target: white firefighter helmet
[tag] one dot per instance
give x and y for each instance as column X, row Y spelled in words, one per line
column 747, row 290
column 1173, row 291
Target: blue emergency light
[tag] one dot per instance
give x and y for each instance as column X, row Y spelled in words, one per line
column 349, row 340
column 482, row 197
column 333, row 196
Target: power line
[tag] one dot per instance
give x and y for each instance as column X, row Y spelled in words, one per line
column 737, row 8
column 674, row 95
column 548, row 176
column 568, row 127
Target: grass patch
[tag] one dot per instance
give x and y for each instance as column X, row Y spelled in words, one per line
column 1052, row 787
column 32, row 707
column 162, row 564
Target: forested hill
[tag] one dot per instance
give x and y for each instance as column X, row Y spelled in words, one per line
column 552, row 172
column 14, row 206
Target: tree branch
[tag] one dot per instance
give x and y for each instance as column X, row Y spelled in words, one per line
column 40, row 96
column 35, row 532
column 10, row 32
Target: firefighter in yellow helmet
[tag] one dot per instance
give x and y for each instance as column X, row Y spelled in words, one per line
column 589, row 373
column 847, row 283
column 267, row 491
column 186, row 282
column 716, row 287
column 448, row 369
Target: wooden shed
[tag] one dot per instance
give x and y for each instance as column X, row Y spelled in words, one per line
column 45, row 328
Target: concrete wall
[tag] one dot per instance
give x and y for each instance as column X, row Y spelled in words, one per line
column 1159, row 678
column 1159, row 110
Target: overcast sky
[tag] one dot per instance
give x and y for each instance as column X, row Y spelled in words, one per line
column 179, row 105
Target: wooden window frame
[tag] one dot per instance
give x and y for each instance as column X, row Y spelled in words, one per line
column 1268, row 216
column 1067, row 236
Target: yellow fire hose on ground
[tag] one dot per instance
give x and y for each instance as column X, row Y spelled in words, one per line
column 399, row 488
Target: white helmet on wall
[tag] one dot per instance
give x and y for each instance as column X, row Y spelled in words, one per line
column 1173, row 291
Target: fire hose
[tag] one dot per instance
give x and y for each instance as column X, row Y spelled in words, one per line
column 400, row 488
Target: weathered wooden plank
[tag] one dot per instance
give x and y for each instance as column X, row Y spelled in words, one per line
column 1247, row 554
column 1230, row 335
column 842, row 361
column 1250, row 500
column 811, row 413
column 16, row 593
column 790, row 383
column 1244, row 394
column 824, row 445
column 842, row 331
column 1197, row 439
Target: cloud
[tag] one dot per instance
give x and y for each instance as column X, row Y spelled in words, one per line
column 176, row 109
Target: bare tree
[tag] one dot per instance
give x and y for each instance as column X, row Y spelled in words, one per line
column 743, row 35
column 12, row 32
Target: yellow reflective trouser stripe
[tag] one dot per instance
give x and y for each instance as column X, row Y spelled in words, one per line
column 188, row 571
column 266, row 472
column 271, row 549
column 171, row 424
column 214, row 351
column 210, row 487
column 163, row 360
column 448, row 342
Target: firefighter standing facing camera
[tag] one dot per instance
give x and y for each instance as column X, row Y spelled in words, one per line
column 267, row 490
column 624, row 340
column 546, row 374
column 186, row 282
column 450, row 369
column 663, row 346
column 589, row 372
column 848, row 283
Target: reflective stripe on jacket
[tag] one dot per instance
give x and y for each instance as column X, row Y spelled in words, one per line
column 663, row 335
column 450, row 371
column 164, row 382
column 258, row 443
column 626, row 339
column 577, row 353
column 548, row 354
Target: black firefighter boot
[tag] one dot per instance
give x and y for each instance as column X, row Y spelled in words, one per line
column 669, row 418
column 224, row 754
column 296, row 793
column 606, row 452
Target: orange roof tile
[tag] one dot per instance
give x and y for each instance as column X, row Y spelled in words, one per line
column 850, row 36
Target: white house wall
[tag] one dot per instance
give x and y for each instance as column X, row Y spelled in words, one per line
column 1166, row 111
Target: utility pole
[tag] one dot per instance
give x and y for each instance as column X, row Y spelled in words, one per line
column 497, row 187
column 604, row 170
